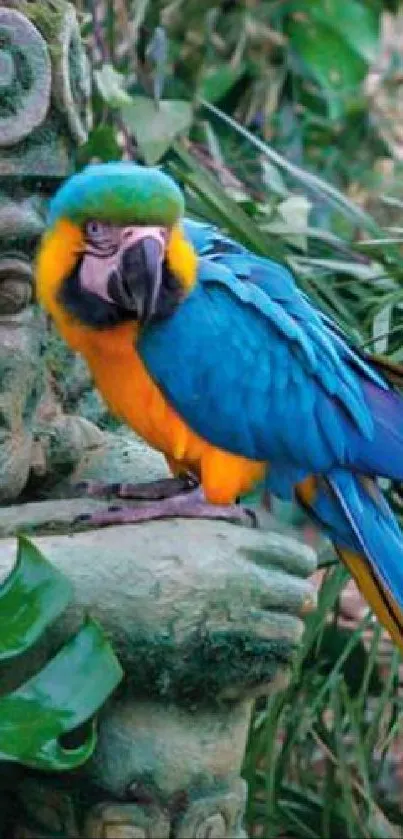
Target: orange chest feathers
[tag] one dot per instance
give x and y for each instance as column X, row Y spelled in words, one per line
column 132, row 395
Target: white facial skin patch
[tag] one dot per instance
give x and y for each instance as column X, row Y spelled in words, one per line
column 105, row 245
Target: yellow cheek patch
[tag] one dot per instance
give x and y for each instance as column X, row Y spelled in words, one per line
column 181, row 258
column 55, row 261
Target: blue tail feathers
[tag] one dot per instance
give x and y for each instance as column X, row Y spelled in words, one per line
column 361, row 525
column 373, row 528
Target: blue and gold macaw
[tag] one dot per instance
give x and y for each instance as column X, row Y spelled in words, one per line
column 216, row 358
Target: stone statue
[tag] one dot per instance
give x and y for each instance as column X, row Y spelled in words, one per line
column 44, row 113
column 204, row 615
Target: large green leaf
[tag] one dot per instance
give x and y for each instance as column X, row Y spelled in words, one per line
column 71, row 687
column 337, row 41
column 156, row 126
column 66, row 693
column 33, row 595
column 330, row 59
column 356, row 22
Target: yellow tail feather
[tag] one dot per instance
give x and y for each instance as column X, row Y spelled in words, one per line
column 386, row 609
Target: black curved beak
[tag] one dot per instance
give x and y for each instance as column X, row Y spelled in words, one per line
column 136, row 284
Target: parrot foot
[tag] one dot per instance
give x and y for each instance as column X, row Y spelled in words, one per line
column 190, row 504
column 148, row 491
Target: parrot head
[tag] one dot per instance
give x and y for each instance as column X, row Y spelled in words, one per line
column 114, row 249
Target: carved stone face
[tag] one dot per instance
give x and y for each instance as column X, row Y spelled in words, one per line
column 21, row 224
column 21, row 336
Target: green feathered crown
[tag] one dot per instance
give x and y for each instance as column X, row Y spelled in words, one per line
column 119, row 193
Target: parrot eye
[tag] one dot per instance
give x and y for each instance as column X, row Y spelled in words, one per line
column 93, row 229
column 102, row 236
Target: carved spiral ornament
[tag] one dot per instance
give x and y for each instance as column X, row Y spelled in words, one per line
column 218, row 816
column 25, row 77
column 71, row 86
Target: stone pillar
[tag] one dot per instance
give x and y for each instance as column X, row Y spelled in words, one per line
column 44, row 114
column 204, row 617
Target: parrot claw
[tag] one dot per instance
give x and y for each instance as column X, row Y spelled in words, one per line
column 190, row 504
column 152, row 491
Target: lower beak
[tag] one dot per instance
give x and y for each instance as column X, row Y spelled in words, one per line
column 135, row 286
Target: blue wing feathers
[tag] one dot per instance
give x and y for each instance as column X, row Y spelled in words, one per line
column 272, row 378
column 261, row 372
column 383, row 454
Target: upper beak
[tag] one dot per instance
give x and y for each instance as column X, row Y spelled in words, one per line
column 136, row 284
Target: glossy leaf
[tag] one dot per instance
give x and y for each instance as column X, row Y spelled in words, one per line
column 32, row 596
column 69, row 689
column 66, row 693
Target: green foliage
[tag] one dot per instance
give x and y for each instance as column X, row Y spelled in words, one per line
column 290, row 71
column 336, row 43
column 68, row 690
column 317, row 752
